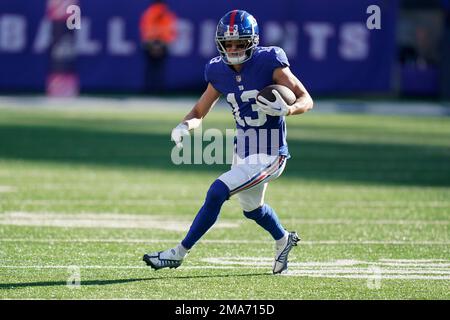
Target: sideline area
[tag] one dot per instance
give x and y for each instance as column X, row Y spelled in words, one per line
column 320, row 106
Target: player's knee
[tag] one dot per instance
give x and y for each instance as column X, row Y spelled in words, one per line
column 218, row 193
column 255, row 214
column 250, row 203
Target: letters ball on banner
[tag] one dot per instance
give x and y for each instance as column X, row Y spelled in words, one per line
column 286, row 93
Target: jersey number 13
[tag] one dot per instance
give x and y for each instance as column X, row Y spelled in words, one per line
column 247, row 121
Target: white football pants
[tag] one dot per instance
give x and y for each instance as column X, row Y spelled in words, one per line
column 249, row 177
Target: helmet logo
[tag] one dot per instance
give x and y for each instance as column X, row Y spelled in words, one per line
column 232, row 32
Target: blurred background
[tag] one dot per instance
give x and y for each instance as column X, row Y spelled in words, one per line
column 88, row 99
column 328, row 43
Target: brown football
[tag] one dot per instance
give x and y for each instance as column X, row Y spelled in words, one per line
column 286, row 93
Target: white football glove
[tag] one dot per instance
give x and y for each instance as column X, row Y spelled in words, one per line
column 277, row 108
column 178, row 133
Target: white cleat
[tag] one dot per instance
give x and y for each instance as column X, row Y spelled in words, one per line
column 280, row 265
column 163, row 259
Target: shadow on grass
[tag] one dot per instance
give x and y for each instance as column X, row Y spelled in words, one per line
column 120, row 281
column 332, row 160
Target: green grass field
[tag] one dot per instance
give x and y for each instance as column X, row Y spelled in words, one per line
column 84, row 193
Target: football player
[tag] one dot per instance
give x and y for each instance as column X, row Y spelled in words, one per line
column 240, row 71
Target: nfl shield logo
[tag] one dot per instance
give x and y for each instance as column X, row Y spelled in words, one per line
column 238, row 78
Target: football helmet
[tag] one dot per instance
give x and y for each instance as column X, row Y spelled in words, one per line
column 237, row 25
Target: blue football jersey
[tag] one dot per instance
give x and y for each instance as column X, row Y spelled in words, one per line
column 257, row 132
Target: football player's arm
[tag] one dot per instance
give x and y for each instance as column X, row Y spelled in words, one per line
column 285, row 77
column 206, row 102
column 194, row 118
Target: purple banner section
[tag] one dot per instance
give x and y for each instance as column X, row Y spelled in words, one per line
column 327, row 42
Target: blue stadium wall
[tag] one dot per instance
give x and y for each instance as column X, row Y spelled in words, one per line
column 327, row 42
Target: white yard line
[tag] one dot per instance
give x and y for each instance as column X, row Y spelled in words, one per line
column 69, row 266
column 376, row 242
column 309, row 204
column 102, row 220
column 316, row 242
column 6, row 189
column 408, row 261
column 367, row 221
column 369, row 277
column 427, row 269
column 305, row 271
column 249, row 261
column 371, row 272
column 143, row 267
column 168, row 221
column 352, row 269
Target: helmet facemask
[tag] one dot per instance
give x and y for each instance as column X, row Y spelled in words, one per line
column 243, row 50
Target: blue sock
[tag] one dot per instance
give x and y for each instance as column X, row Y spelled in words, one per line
column 266, row 217
column 217, row 194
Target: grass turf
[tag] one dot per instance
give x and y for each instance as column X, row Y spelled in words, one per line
column 369, row 196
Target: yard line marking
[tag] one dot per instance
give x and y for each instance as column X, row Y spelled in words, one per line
column 413, row 261
column 381, row 277
column 347, row 269
column 68, row 266
column 327, row 264
column 376, row 242
column 143, row 267
column 166, row 222
column 367, row 222
column 88, row 186
column 5, row 189
column 319, row 271
column 415, row 264
column 351, row 269
column 309, row 204
column 102, row 220
column 84, row 215
column 316, row 242
column 370, row 272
